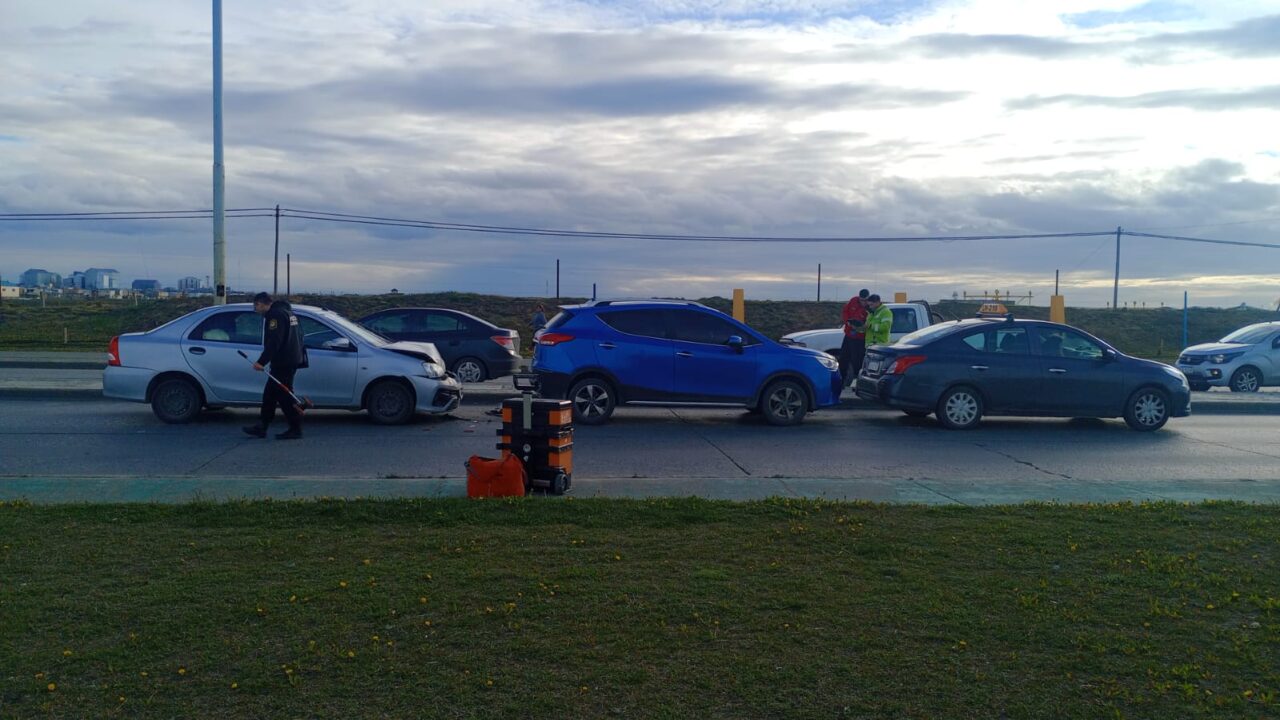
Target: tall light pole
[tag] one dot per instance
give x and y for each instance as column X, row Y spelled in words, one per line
column 219, row 201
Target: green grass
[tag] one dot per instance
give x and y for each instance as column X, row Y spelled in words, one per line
column 641, row 609
column 89, row 325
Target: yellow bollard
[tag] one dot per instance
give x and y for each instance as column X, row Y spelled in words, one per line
column 899, row 297
column 1057, row 309
column 739, row 305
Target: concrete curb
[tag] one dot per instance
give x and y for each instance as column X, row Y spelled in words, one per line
column 51, row 365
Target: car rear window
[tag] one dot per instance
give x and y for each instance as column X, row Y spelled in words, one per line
column 561, row 318
column 929, row 334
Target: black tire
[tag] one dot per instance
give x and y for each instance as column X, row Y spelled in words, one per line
column 784, row 403
column 390, row 402
column 470, row 370
column 1199, row 387
column 176, row 401
column 960, row 408
column 559, row 484
column 1147, row 409
column 916, row 413
column 594, row 400
column 1246, row 380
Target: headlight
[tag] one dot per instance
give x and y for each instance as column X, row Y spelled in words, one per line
column 1221, row 358
column 431, row 370
column 829, row 362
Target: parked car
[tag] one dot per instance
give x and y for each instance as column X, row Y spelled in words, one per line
column 606, row 353
column 907, row 318
column 962, row 371
column 472, row 348
column 1244, row 361
column 193, row 362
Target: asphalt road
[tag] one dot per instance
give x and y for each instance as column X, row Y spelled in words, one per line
column 83, row 448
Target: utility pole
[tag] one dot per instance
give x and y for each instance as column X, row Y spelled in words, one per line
column 557, row 278
column 819, row 282
column 1055, row 282
column 219, row 180
column 275, row 279
column 288, row 275
column 1115, row 289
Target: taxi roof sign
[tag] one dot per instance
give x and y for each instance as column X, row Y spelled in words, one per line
column 994, row 310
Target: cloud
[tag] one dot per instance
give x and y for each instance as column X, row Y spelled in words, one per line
column 1207, row 100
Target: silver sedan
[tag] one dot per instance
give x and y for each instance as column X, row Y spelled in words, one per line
column 194, row 362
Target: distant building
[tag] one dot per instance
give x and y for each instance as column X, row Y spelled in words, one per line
column 101, row 279
column 147, row 286
column 10, row 292
column 38, row 278
column 74, row 281
column 189, row 284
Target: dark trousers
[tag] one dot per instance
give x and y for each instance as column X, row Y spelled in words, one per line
column 852, row 350
column 273, row 395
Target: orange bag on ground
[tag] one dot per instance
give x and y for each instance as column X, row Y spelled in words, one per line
column 487, row 477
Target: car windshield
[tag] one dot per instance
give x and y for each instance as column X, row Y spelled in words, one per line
column 1249, row 335
column 929, row 334
column 351, row 328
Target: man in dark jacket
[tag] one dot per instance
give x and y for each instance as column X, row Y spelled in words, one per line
column 854, row 346
column 283, row 351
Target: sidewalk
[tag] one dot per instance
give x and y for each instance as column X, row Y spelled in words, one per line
column 36, row 375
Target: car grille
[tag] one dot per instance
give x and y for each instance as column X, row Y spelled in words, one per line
column 1191, row 360
column 446, row 395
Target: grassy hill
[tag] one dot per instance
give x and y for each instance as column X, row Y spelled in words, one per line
column 89, row 325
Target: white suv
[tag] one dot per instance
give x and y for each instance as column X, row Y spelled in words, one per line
column 1244, row 361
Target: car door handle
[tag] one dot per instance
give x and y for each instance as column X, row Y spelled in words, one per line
column 607, row 346
column 196, row 350
column 684, row 353
column 977, row 367
column 1059, row 371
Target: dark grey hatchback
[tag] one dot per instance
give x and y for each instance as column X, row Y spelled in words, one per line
column 472, row 348
column 964, row 370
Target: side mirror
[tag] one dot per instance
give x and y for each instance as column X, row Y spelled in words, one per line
column 735, row 342
column 1110, row 355
column 340, row 343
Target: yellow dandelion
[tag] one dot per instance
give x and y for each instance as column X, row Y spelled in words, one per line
column 39, row 676
column 351, row 653
column 488, row 683
column 375, row 638
column 342, row 583
column 422, row 600
column 143, row 673
column 52, row 686
column 311, row 644
column 1209, row 606
column 367, row 561
column 235, row 686
column 182, row 671
column 1248, row 693
column 427, row 623
column 66, row 653
column 583, row 688
column 617, row 557
column 121, row 698
column 293, row 598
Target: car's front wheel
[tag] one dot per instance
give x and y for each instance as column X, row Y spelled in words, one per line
column 390, row 403
column 593, row 401
column 960, row 408
column 1147, row 410
column 176, row 401
column 1246, row 380
column 785, row 402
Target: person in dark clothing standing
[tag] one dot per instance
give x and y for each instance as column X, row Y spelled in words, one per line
column 854, row 345
column 283, row 351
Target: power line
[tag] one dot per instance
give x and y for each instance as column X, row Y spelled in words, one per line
column 147, row 217
column 1241, row 243
column 51, row 215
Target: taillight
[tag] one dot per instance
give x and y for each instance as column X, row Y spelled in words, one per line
column 504, row 341
column 113, row 352
column 904, row 363
column 553, row 338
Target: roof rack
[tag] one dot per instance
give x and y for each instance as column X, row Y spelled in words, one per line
column 638, row 301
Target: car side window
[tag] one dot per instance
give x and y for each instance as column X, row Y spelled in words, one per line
column 315, row 334
column 1060, row 342
column 242, row 327
column 390, row 323
column 700, row 327
column 646, row 323
column 439, row 322
column 1003, row 341
column 904, row 321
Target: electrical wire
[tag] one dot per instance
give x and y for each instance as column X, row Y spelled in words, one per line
column 51, row 215
column 1241, row 243
column 158, row 217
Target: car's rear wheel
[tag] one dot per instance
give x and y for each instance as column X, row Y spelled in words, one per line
column 1246, row 380
column 470, row 370
column 176, row 401
column 390, row 403
column 593, row 401
column 960, row 408
column 784, row 402
column 1147, row 409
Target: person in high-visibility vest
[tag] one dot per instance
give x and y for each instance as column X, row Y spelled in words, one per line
column 879, row 322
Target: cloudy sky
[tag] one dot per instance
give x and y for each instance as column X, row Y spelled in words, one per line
column 731, row 117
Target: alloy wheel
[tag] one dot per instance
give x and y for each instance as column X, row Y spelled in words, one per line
column 1245, row 381
column 785, row 402
column 469, row 371
column 591, row 401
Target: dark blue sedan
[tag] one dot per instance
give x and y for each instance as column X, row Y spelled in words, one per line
column 964, row 370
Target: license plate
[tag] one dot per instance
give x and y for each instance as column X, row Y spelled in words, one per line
column 873, row 366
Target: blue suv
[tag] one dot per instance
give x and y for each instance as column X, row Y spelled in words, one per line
column 656, row 352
